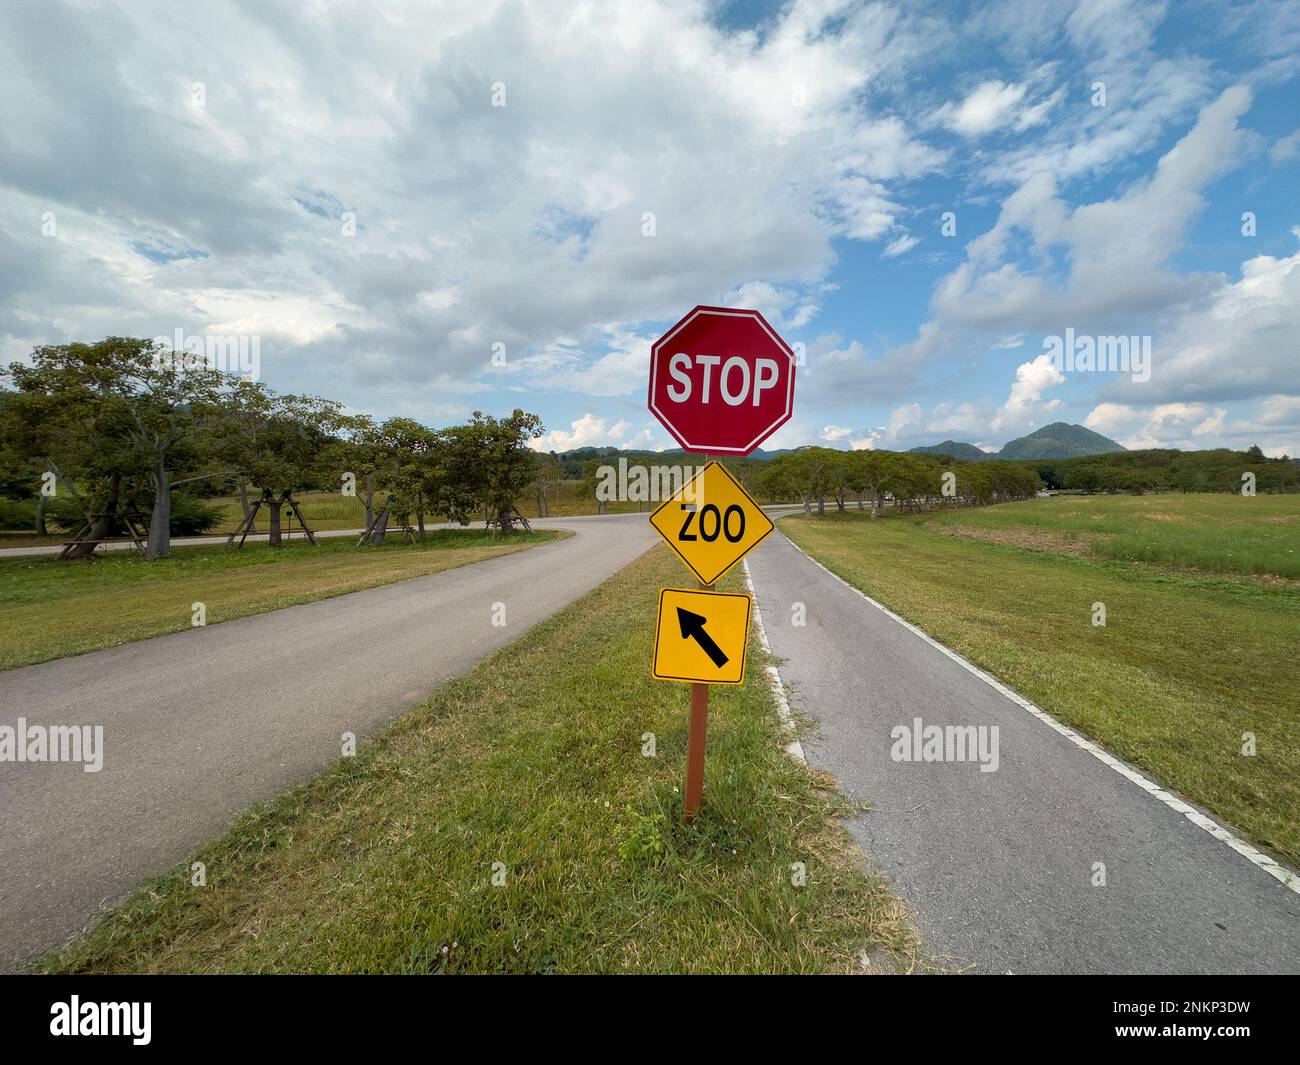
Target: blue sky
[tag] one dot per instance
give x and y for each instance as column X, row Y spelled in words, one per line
column 387, row 195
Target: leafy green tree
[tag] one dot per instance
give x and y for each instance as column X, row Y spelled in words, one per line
column 547, row 476
column 489, row 465
column 278, row 443
column 116, row 414
column 590, row 484
column 805, row 470
column 872, row 470
column 57, row 421
column 840, row 476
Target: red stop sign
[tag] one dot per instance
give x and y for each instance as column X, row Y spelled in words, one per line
column 721, row 380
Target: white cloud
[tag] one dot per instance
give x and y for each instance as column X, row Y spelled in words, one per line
column 1116, row 28
column 564, row 364
column 1025, row 402
column 994, row 105
column 963, row 418
column 1117, row 250
column 588, row 431
column 1285, row 147
column 784, row 308
column 903, row 420
column 1280, row 410
column 904, row 242
column 1274, row 425
column 517, row 225
column 832, row 433
column 1239, row 342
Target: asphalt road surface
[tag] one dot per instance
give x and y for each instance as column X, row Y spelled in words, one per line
column 198, row 725
column 189, row 541
column 999, row 865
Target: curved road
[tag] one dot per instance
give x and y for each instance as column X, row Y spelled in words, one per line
column 200, row 724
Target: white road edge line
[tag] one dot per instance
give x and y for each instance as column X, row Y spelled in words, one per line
column 1251, row 854
column 794, row 748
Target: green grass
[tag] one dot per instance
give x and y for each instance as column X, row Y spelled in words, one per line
column 1216, row 533
column 49, row 608
column 534, row 760
column 323, row 510
column 1185, row 664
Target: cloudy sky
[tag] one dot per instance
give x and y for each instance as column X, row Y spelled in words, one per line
column 920, row 194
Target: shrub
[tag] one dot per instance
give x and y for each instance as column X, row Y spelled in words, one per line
column 193, row 517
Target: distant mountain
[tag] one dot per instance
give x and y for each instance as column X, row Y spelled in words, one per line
column 757, row 453
column 1059, row 441
column 584, row 454
column 953, row 449
column 1055, row 441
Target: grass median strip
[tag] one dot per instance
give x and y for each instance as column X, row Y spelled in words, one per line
column 49, row 609
column 1186, row 665
column 512, row 823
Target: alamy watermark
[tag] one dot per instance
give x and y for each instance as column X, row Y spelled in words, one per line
column 646, row 484
column 131, row 1019
column 1100, row 354
column 238, row 355
column 946, row 743
column 53, row 743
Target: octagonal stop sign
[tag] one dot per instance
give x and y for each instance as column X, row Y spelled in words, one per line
column 721, row 380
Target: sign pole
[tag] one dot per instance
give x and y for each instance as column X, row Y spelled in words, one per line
column 695, row 749
column 696, row 739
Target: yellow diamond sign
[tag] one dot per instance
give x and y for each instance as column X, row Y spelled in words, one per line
column 701, row 636
column 712, row 523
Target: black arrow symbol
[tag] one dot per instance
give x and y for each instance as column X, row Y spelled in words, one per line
column 693, row 629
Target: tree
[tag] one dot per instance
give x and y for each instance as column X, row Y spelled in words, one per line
column 398, row 458
column 122, row 413
column 277, row 443
column 547, row 475
column 490, row 465
column 772, row 479
column 840, row 476
column 409, row 469
column 362, row 452
column 421, row 467
column 169, row 413
column 805, row 471
column 57, row 422
column 591, row 483
column 872, row 471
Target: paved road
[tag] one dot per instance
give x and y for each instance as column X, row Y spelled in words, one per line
column 38, row 550
column 181, row 541
column 998, row 865
column 200, row 724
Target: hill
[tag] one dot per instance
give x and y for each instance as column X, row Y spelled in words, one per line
column 1059, row 441
column 1055, row 441
column 954, row 449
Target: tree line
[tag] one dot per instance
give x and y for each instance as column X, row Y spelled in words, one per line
column 870, row 478
column 116, row 427
column 915, row 481
column 1170, row 470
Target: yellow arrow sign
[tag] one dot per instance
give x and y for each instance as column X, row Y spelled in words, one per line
column 711, row 522
column 701, row 636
